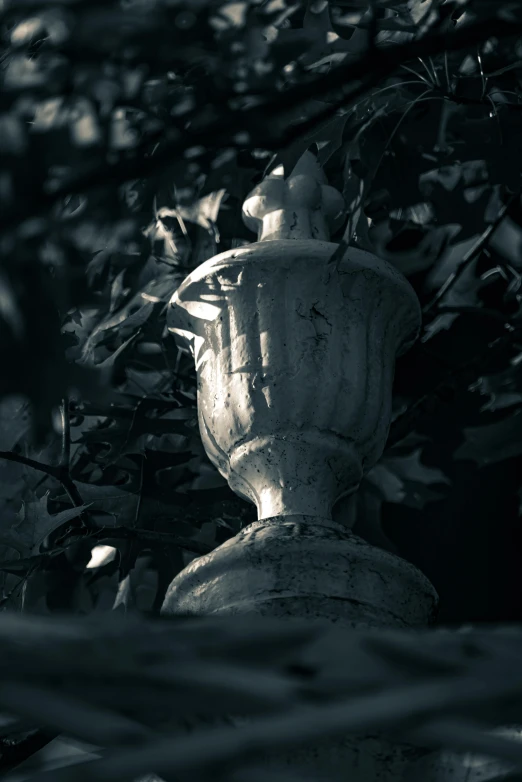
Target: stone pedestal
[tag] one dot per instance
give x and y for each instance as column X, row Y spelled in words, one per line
column 308, row 568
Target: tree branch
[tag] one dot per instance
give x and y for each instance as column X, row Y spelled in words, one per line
column 48, row 469
column 108, row 534
column 370, row 68
column 57, row 473
column 165, row 538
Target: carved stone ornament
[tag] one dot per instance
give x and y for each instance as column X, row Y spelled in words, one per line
column 295, row 346
column 295, row 352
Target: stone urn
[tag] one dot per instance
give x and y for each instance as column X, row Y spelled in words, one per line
column 295, row 342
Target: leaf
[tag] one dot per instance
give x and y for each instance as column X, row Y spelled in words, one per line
column 419, row 9
column 404, row 479
column 316, row 25
column 33, row 523
column 502, row 388
column 15, row 421
column 411, row 468
column 132, row 316
column 126, row 322
column 459, row 194
column 117, row 291
column 493, row 442
column 388, row 484
column 410, row 247
column 328, row 138
column 464, row 292
column 109, row 500
column 131, row 437
column 203, row 212
column 137, row 590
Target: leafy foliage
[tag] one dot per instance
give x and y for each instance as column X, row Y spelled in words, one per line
column 157, row 679
column 130, row 133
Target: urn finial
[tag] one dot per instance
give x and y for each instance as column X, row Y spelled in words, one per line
column 300, row 206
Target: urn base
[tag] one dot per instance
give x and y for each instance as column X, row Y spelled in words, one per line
column 304, row 567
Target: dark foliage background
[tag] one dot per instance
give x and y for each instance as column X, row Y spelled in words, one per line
column 130, row 133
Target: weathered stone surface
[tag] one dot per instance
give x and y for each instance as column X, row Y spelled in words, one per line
column 303, row 206
column 295, row 362
column 295, row 352
column 309, row 568
column 300, row 566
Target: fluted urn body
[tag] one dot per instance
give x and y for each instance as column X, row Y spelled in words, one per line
column 295, row 355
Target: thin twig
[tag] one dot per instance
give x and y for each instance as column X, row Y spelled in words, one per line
column 418, row 75
column 140, row 493
column 53, row 472
column 419, row 99
column 33, row 567
column 106, row 534
column 446, row 71
column 470, row 256
column 482, row 76
column 435, row 74
column 165, row 538
column 431, row 77
column 65, row 460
